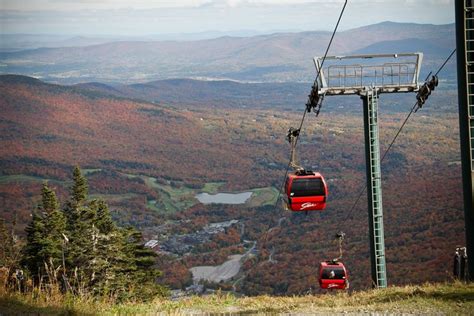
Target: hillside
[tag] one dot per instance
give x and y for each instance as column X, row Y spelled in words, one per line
column 280, row 57
column 39, row 119
column 204, row 93
column 439, row 299
column 46, row 129
column 150, row 160
column 226, row 94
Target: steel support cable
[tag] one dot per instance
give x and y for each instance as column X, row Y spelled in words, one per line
column 305, row 111
column 330, row 41
column 396, row 136
column 445, row 62
column 383, row 157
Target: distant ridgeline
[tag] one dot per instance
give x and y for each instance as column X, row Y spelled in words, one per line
column 279, row 57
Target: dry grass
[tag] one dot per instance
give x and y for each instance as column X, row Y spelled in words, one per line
column 449, row 299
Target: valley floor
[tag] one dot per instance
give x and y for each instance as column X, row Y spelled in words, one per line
column 448, row 299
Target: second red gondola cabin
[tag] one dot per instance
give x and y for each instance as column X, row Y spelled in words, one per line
column 305, row 192
column 333, row 275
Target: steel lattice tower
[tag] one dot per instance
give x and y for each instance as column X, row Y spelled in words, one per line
column 368, row 76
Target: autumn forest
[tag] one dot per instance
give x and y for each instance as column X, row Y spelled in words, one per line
column 149, row 159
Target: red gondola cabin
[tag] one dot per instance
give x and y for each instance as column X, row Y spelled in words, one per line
column 333, row 275
column 305, row 192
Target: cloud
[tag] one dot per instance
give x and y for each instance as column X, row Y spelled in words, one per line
column 74, row 5
column 259, row 3
column 190, row 16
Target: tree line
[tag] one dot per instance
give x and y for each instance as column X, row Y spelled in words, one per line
column 78, row 249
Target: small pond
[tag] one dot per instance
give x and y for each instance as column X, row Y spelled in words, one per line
column 224, row 198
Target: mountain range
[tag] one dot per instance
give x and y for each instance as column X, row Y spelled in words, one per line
column 279, row 57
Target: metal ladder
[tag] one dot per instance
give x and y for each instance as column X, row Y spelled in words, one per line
column 469, row 37
column 374, row 185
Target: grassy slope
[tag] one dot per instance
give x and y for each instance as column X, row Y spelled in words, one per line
column 447, row 299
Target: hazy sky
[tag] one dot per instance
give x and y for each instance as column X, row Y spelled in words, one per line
column 140, row 17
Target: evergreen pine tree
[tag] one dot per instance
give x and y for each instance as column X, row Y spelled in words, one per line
column 82, row 238
column 49, row 202
column 140, row 266
column 89, row 225
column 80, row 221
column 32, row 258
column 45, row 234
column 77, row 197
column 100, row 257
column 55, row 232
column 54, row 227
column 109, row 278
column 79, row 188
column 104, row 220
